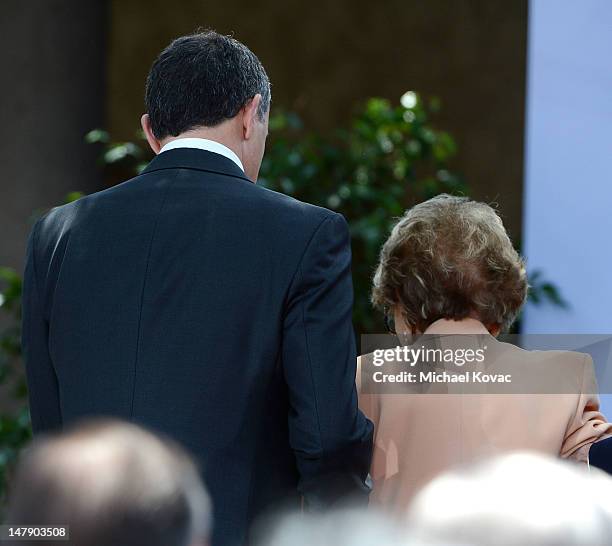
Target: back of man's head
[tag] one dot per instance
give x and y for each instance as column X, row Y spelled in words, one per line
column 201, row 80
column 111, row 483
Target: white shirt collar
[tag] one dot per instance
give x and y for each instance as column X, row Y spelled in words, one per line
column 203, row 144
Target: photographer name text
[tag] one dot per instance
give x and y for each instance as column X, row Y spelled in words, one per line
column 440, row 377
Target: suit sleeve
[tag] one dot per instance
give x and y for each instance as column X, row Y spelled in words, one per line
column 588, row 425
column 42, row 382
column 369, row 404
column 331, row 438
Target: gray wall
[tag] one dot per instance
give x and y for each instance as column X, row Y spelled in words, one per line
column 52, row 93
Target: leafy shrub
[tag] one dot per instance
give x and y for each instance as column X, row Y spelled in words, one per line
column 14, row 422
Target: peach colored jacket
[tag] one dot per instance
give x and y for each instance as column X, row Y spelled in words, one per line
column 417, row 436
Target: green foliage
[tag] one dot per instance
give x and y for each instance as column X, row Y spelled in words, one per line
column 14, row 423
column 390, row 157
column 135, row 155
column 542, row 291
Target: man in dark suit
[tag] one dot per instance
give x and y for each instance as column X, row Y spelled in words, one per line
column 192, row 301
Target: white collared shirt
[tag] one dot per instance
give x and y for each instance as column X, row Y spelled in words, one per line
column 203, row 144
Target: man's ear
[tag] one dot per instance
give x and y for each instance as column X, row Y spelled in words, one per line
column 145, row 122
column 249, row 116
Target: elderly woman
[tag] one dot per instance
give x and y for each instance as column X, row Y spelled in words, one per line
column 449, row 268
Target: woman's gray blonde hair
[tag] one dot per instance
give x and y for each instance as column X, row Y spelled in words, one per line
column 450, row 257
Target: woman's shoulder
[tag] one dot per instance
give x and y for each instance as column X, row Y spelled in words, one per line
column 545, row 370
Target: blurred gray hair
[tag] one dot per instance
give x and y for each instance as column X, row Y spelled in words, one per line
column 112, row 483
column 514, row 500
column 450, row 257
column 340, row 527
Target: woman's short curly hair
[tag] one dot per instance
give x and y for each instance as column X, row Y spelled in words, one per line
column 450, row 257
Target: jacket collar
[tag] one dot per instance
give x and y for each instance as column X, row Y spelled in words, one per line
column 203, row 144
column 195, row 159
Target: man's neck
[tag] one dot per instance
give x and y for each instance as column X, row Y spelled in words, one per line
column 219, row 134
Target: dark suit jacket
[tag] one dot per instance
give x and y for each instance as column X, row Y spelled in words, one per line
column 600, row 455
column 196, row 303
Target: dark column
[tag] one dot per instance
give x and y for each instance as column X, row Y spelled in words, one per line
column 53, row 88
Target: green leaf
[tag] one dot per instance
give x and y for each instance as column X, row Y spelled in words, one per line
column 73, row 196
column 96, row 136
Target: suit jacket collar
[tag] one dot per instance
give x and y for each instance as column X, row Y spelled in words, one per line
column 195, row 159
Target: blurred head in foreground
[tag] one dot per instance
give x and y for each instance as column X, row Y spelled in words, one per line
column 449, row 258
column 112, row 483
column 342, row 527
column 515, row 500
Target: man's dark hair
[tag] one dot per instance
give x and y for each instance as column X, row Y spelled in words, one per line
column 201, row 80
column 111, row 483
